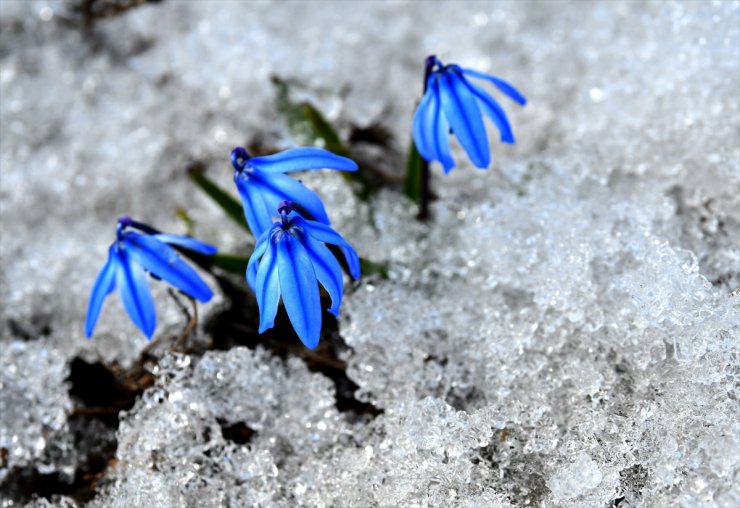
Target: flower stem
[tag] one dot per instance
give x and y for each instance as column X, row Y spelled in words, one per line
column 426, row 175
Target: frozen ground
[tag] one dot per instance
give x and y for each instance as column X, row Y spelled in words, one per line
column 563, row 332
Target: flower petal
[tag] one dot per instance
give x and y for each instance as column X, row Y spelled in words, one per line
column 326, row 234
column 256, row 210
column 282, row 187
column 327, row 269
column 422, row 129
column 105, row 282
column 299, row 289
column 135, row 294
column 187, row 242
column 298, row 159
column 430, row 128
column 254, row 259
column 494, row 111
column 267, row 287
column 353, row 261
column 441, row 133
column 463, row 113
column 499, row 83
column 162, row 260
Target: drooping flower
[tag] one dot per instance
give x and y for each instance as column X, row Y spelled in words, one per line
column 262, row 184
column 290, row 260
column 452, row 102
column 130, row 257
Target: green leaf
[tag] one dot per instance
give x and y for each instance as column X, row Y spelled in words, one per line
column 368, row 268
column 182, row 214
column 412, row 183
column 324, row 134
column 305, row 122
column 226, row 201
column 230, row 263
column 309, row 127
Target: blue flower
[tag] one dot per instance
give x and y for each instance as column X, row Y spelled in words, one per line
column 290, row 260
column 130, row 257
column 452, row 102
column 263, row 186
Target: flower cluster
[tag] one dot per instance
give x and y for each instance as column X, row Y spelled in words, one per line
column 290, row 260
column 452, row 102
column 296, row 248
column 289, row 257
column 130, row 257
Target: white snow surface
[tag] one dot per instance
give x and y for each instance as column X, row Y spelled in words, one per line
column 563, row 332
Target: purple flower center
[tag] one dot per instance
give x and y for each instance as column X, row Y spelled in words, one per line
column 284, row 209
column 239, row 158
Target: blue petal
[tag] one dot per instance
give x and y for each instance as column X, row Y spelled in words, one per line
column 277, row 187
column 422, row 130
column 267, row 287
column 262, row 242
column 326, row 234
column 162, row 260
column 299, row 289
column 441, row 133
column 135, row 294
column 298, row 159
column 461, row 110
column 499, row 83
column 353, row 261
column 494, row 111
column 105, row 282
column 327, row 269
column 431, row 129
column 187, row 243
column 256, row 210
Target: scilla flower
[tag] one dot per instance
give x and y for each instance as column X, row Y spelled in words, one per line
column 453, row 102
column 130, row 257
column 262, row 184
column 290, row 260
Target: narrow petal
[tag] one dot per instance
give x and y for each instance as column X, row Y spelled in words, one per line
column 267, row 287
column 162, row 260
column 353, row 261
column 282, row 187
column 463, row 113
column 326, row 234
column 299, row 159
column 256, row 210
column 494, row 111
column 441, row 133
column 430, row 128
column 104, row 284
column 254, row 260
column 187, row 243
column 422, row 129
column 327, row 269
column 299, row 290
column 499, row 83
column 135, row 294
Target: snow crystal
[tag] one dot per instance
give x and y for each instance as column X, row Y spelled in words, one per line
column 33, row 405
column 576, row 479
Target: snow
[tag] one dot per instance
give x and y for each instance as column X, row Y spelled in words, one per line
column 563, row 332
